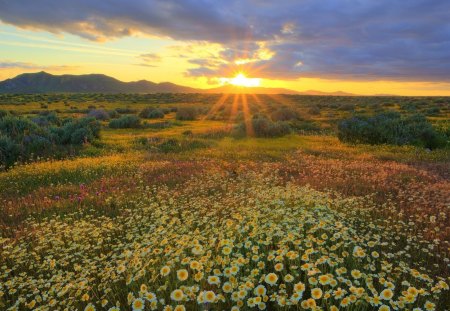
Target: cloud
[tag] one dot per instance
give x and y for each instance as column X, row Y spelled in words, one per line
column 6, row 64
column 334, row 39
column 150, row 57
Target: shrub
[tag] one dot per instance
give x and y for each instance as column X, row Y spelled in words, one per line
column 175, row 145
column 125, row 110
column 9, row 151
column 99, row 114
column 128, row 121
column 22, row 138
column 187, row 113
column 3, row 113
column 263, row 127
column 390, row 128
column 285, row 114
column 314, row 111
column 151, row 113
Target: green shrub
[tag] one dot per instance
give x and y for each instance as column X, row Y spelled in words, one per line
column 186, row 113
column 151, row 113
column 99, row 114
column 390, row 128
column 285, row 114
column 3, row 113
column 128, row 121
column 262, row 127
column 314, row 111
column 23, row 139
column 9, row 151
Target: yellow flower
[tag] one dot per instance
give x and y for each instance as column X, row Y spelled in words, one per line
column 177, row 295
column 386, row 294
column 429, row 306
column 209, row 296
column 299, row 287
column 182, row 274
column 271, row 278
column 90, row 307
column 356, row 274
column 165, row 270
column 138, row 304
column 260, row 290
column 316, row 293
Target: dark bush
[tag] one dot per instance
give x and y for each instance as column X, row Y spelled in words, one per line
column 187, row 113
column 125, row 110
column 3, row 113
column 314, row 111
column 99, row 114
column 151, row 113
column 113, row 114
column 390, row 128
column 128, row 121
column 23, row 139
column 285, row 114
column 9, row 151
column 260, row 126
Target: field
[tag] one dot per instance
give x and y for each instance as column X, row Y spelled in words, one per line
column 217, row 211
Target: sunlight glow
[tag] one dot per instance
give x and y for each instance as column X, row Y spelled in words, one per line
column 241, row 80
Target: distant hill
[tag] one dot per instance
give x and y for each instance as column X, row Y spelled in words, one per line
column 43, row 82
column 233, row 89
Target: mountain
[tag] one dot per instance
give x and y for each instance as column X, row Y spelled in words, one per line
column 43, row 82
column 319, row 93
column 233, row 89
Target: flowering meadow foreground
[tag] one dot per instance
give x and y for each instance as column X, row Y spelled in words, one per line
column 306, row 233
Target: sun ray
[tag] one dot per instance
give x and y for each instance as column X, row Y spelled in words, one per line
column 234, row 108
column 247, row 117
column 219, row 104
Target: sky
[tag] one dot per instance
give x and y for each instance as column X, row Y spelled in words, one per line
column 359, row 46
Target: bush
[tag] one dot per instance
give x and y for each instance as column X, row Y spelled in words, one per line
column 128, row 121
column 99, row 114
column 9, row 151
column 125, row 110
column 22, row 138
column 285, row 114
column 390, row 128
column 314, row 111
column 263, row 127
column 151, row 113
column 3, row 113
column 186, row 113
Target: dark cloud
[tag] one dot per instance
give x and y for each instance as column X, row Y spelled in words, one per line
column 337, row 39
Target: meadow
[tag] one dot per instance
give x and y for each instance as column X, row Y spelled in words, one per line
column 224, row 202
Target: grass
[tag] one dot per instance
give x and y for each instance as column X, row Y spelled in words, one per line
column 299, row 222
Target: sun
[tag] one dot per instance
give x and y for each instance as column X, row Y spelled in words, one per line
column 241, row 80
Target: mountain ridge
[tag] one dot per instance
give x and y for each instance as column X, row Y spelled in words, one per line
column 43, row 82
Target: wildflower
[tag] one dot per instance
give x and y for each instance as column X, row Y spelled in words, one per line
column 316, row 293
column 89, row 307
column 209, row 296
column 182, row 274
column 165, row 270
column 138, row 304
column 213, row 280
column 177, row 295
column 271, row 278
column 260, row 290
column 386, row 294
